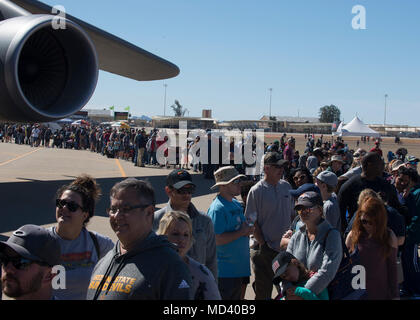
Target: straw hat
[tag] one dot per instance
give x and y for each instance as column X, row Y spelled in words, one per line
column 226, row 175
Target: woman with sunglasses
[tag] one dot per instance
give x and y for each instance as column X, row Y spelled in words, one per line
column 318, row 248
column 80, row 248
column 377, row 246
column 299, row 177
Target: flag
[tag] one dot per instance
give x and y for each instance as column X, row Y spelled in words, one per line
column 127, row 109
column 112, row 108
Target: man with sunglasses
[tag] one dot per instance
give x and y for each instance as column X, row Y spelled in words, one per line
column 271, row 200
column 27, row 258
column 180, row 188
column 142, row 265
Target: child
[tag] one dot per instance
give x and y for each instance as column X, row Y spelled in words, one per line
column 287, row 268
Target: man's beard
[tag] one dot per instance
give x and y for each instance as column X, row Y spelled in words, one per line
column 15, row 290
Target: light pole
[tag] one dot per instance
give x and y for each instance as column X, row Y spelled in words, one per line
column 164, row 101
column 386, row 96
column 271, row 91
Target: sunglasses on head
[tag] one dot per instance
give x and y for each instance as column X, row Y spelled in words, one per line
column 18, row 262
column 71, row 205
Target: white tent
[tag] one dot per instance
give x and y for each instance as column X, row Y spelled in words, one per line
column 340, row 126
column 356, row 128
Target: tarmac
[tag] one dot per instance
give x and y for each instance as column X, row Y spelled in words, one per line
column 30, row 177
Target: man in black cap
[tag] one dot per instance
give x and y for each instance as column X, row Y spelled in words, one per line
column 27, row 258
column 271, row 202
column 180, row 188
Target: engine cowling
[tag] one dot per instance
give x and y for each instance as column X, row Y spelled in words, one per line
column 46, row 73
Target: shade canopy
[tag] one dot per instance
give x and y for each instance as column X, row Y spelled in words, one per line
column 356, row 127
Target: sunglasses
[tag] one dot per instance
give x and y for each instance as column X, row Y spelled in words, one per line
column 366, row 222
column 305, row 211
column 19, row 263
column 71, row 205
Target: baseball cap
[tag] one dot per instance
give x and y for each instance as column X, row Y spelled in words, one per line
column 274, row 158
column 328, row 177
column 337, row 158
column 304, row 188
column 309, row 199
column 280, row 264
column 34, row 243
column 178, row 178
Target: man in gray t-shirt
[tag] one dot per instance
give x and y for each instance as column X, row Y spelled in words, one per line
column 270, row 201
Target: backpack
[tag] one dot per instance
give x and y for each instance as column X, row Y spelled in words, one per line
column 340, row 288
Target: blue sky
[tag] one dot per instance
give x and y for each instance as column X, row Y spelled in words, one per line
column 231, row 52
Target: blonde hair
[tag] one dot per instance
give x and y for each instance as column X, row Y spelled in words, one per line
column 317, row 171
column 367, row 193
column 172, row 216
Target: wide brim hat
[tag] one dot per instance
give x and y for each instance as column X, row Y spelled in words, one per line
column 226, row 175
column 396, row 165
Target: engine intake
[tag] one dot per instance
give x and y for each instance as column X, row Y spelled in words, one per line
column 45, row 73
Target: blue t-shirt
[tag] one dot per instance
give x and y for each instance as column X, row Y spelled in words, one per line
column 233, row 259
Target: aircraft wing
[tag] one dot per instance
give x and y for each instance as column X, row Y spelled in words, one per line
column 115, row 55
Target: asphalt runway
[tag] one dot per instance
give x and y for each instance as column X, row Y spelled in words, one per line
column 30, row 177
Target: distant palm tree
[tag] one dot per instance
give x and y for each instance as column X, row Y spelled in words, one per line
column 178, row 109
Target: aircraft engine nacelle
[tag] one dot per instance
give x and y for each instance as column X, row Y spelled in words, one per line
column 46, row 73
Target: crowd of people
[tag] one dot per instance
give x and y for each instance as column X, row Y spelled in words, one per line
column 293, row 225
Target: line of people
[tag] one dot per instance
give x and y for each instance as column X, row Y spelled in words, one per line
column 294, row 225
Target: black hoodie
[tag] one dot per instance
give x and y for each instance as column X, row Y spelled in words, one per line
column 152, row 270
